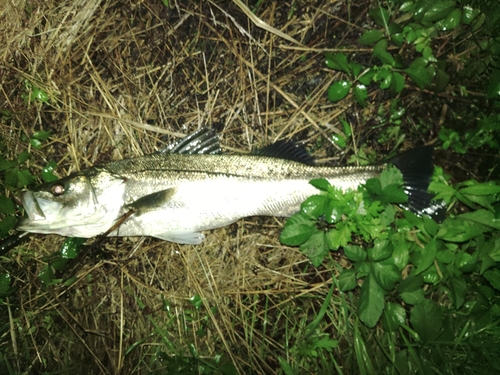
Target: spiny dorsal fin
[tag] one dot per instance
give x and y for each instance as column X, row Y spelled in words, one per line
column 286, row 149
column 202, row 141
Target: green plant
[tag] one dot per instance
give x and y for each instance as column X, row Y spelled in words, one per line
column 405, row 45
column 425, row 283
column 15, row 175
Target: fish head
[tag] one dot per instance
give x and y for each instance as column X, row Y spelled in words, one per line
column 80, row 205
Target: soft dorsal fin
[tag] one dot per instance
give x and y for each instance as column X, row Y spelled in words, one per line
column 286, row 149
column 202, row 141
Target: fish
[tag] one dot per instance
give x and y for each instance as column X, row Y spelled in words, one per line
column 191, row 186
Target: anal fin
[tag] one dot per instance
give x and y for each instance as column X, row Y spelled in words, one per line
column 189, row 238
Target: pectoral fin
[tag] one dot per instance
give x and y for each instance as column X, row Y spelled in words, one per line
column 152, row 201
column 160, row 201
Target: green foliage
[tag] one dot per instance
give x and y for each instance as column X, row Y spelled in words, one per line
column 419, row 24
column 424, row 283
column 34, row 93
column 58, row 261
column 5, row 287
column 14, row 175
column 186, row 359
column 484, row 133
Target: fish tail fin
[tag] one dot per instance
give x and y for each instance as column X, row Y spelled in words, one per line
column 417, row 167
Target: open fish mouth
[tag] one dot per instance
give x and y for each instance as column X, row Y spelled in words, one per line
column 31, row 207
column 42, row 214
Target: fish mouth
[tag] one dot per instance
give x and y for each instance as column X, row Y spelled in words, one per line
column 31, row 207
column 41, row 213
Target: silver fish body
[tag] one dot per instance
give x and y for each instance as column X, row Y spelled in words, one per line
column 175, row 196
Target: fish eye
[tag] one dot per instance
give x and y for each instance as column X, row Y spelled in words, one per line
column 57, row 190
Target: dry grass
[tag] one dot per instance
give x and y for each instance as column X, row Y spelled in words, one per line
column 125, row 78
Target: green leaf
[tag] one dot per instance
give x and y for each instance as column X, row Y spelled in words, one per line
column 420, row 72
column 36, row 143
column 59, row 264
column 337, row 61
column 431, row 227
column 23, row 156
column 410, row 289
column 346, row 127
column 438, row 10
column 380, row 52
column 347, row 280
column 6, row 164
column 6, row 206
column 426, row 319
column 360, row 93
column 333, row 212
column 398, row 83
column 4, row 283
column 355, row 69
column 465, row 262
column 47, row 275
column 452, row 20
column 486, row 188
column 458, row 289
column 339, row 140
column 427, row 256
column 315, row 248
column 401, row 254
column 386, row 275
column 196, row 301
column 382, row 249
column 391, row 176
column 469, row 14
column 394, row 193
column 355, row 253
column 393, row 317
column 380, row 15
column 493, row 276
column 6, row 224
column 39, row 95
column 367, row 77
column 388, row 188
column 69, row 249
column 482, row 217
column 371, row 37
column 48, row 172
column 444, row 192
column 285, row 366
column 387, row 216
column 314, row 206
column 339, row 236
column 24, row 178
column 338, row 90
column 41, row 135
column 431, row 275
column 371, row 302
column 327, row 343
column 11, row 177
column 455, row 230
column 374, row 187
column 320, row 183
column 387, row 79
column 297, row 230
